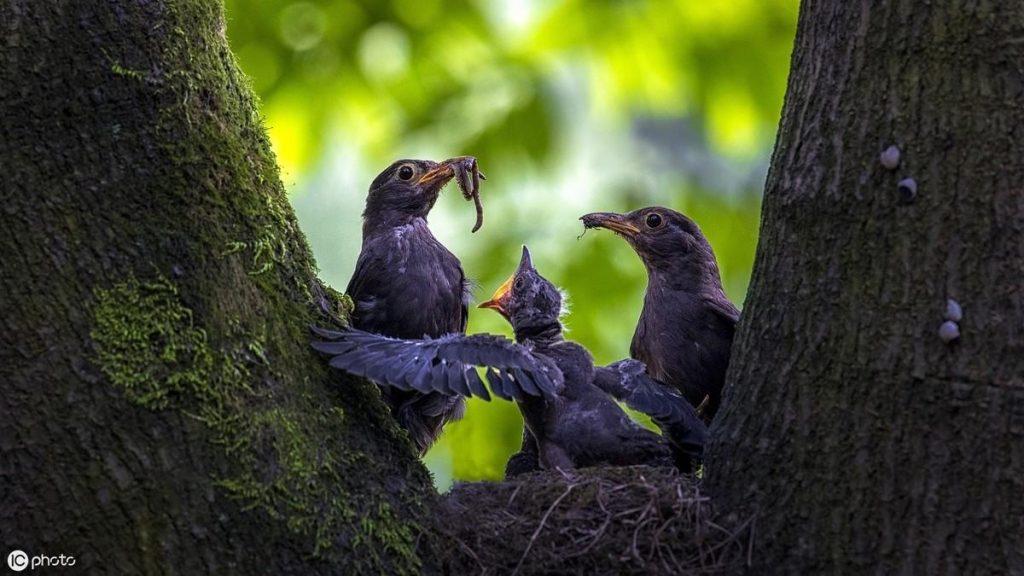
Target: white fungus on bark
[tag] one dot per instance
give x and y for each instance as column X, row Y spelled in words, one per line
column 954, row 312
column 949, row 331
column 890, row 157
column 907, row 189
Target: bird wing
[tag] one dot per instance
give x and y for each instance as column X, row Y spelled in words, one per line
column 721, row 305
column 467, row 297
column 445, row 364
column 627, row 381
column 359, row 276
column 364, row 290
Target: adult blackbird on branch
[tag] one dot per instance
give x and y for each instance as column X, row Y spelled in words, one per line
column 685, row 330
column 407, row 285
column 566, row 402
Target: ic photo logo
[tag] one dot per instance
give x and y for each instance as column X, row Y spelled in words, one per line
column 18, row 560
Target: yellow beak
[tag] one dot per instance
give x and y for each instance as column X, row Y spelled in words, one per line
column 499, row 299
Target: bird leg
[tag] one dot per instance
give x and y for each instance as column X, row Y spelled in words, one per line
column 526, row 460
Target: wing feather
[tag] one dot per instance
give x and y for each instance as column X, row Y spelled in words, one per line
column 476, row 385
column 627, row 381
column 445, row 364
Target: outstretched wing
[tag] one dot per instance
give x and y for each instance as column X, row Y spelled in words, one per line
column 446, row 364
column 627, row 381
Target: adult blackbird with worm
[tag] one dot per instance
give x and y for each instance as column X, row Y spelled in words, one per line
column 407, row 285
column 566, row 402
column 685, row 330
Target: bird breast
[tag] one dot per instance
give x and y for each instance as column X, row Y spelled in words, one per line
column 420, row 290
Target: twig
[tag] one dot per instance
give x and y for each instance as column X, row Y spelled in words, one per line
column 596, row 534
column 513, row 496
column 640, row 524
column 541, row 527
column 466, row 547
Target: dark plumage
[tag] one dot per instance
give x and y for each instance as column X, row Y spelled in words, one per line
column 407, row 285
column 442, row 364
column 566, row 402
column 685, row 331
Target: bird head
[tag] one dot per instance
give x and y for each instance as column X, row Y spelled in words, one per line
column 527, row 300
column 662, row 237
column 408, row 188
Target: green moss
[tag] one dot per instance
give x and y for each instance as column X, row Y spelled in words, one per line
column 239, row 174
column 308, row 477
column 384, row 532
column 147, row 344
column 263, row 253
column 225, row 343
column 348, row 306
column 122, row 71
column 127, row 72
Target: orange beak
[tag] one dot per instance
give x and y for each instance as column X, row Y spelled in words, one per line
column 442, row 173
column 499, row 300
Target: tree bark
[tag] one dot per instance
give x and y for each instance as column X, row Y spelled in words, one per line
column 864, row 441
column 161, row 411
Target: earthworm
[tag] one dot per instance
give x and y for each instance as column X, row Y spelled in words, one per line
column 469, row 176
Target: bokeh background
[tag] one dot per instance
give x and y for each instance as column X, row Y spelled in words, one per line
column 570, row 106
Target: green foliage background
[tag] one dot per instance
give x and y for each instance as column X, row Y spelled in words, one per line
column 570, row 106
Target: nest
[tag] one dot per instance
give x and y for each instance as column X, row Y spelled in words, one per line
column 631, row 520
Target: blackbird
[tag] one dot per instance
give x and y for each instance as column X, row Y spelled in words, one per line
column 685, row 330
column 566, row 402
column 407, row 285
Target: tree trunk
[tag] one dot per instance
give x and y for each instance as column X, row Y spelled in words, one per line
column 864, row 441
column 161, row 411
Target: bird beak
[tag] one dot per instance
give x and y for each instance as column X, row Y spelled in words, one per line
column 611, row 221
column 525, row 262
column 442, row 173
column 499, row 300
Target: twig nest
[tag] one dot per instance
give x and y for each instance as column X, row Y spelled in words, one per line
column 949, row 331
column 890, row 157
column 954, row 312
column 907, row 189
column 615, row 520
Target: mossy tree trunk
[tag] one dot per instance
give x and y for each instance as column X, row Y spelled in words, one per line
column 160, row 409
column 865, row 442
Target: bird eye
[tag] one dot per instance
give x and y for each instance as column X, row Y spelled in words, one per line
column 518, row 284
column 653, row 220
column 405, row 172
